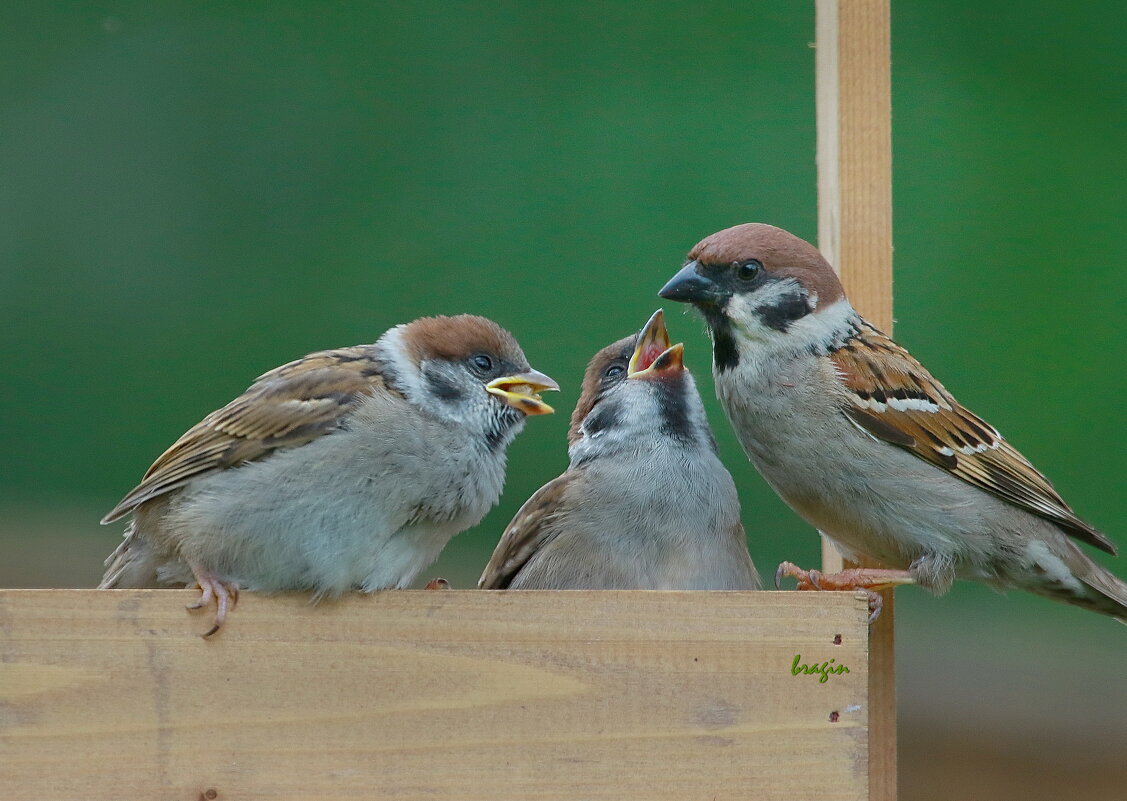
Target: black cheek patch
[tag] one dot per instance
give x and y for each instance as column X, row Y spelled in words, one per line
column 443, row 388
column 781, row 314
column 602, row 417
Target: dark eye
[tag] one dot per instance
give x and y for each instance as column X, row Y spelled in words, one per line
column 614, row 370
column 747, row 270
column 482, row 363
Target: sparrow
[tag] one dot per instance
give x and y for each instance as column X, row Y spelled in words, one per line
column 863, row 443
column 645, row 502
column 346, row 469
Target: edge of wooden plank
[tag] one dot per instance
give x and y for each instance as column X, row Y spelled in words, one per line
column 116, row 689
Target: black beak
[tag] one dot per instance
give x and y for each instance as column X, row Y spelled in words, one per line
column 689, row 286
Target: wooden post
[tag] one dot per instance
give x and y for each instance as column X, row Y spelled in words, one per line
column 854, row 149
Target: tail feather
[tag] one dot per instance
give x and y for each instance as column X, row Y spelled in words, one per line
column 1058, row 569
column 132, row 565
column 1108, row 593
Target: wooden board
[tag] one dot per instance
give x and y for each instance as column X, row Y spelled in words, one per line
column 433, row 695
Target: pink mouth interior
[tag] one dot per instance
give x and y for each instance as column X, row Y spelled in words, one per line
column 648, row 355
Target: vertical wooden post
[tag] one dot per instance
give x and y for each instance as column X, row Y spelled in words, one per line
column 853, row 90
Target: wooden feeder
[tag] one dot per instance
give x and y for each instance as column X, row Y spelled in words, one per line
column 518, row 696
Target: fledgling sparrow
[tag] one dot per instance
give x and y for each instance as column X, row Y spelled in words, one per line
column 860, row 440
column 645, row 502
column 346, row 469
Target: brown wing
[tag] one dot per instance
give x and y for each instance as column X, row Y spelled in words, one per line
column 529, row 531
column 896, row 399
column 288, row 406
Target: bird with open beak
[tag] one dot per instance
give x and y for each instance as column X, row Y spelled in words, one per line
column 861, row 440
column 346, row 469
column 645, row 502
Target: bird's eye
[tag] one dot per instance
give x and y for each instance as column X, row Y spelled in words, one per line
column 482, row 363
column 614, row 370
column 747, row 270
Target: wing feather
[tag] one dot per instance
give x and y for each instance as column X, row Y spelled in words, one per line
column 894, row 398
column 531, row 529
column 285, row 407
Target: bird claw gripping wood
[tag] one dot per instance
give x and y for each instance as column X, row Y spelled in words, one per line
column 863, row 579
column 225, row 595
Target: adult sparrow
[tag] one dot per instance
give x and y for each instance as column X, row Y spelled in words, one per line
column 860, row 440
column 645, row 502
column 346, row 469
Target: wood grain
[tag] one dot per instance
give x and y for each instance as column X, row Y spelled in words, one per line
column 854, row 147
column 854, row 150
column 432, row 695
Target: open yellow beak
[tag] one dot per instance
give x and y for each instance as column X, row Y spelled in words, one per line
column 522, row 391
column 653, row 354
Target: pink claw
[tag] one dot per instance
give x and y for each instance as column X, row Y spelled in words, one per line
column 225, row 594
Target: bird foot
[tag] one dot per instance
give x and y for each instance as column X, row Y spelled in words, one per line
column 225, row 594
column 866, row 579
column 437, row 584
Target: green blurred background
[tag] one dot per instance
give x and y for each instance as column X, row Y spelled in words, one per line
column 195, row 192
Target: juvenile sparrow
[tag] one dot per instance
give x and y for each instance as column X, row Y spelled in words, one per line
column 860, row 440
column 645, row 502
column 346, row 469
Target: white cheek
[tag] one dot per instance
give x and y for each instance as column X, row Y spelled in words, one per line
column 742, row 314
column 828, row 327
column 823, row 330
column 773, row 293
column 392, row 349
column 761, row 341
